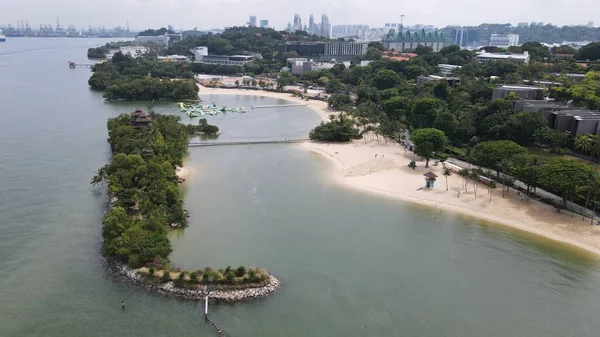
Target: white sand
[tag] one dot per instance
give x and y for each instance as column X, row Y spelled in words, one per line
column 182, row 172
column 389, row 175
column 319, row 107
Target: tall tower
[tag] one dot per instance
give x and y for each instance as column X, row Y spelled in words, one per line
column 252, row 21
column 311, row 24
column 297, row 22
column 325, row 26
column 401, row 28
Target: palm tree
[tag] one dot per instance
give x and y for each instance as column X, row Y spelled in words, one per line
column 595, row 151
column 583, row 144
column 446, row 172
column 475, row 177
column 491, row 185
column 593, row 182
column 465, row 174
column 504, row 165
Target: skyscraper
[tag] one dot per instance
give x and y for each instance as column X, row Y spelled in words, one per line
column 311, row 24
column 264, row 23
column 297, row 22
column 325, row 26
column 252, row 21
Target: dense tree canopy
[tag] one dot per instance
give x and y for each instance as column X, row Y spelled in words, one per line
column 139, row 78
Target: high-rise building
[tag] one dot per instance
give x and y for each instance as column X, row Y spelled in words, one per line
column 289, row 27
column 504, row 41
column 311, row 24
column 252, row 21
column 325, row 26
column 264, row 23
column 297, row 22
column 466, row 37
column 522, row 24
column 590, row 24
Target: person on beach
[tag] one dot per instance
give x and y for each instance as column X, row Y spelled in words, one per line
column 375, row 155
column 123, row 305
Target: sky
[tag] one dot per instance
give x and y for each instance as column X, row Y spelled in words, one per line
column 205, row 14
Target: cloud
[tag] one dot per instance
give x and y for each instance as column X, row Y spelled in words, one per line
column 212, row 14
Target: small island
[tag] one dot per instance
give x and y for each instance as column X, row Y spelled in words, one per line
column 145, row 202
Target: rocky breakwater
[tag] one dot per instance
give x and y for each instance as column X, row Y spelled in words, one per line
column 219, row 293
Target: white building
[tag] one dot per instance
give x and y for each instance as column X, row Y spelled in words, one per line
column 504, row 41
column 485, row 57
column 447, row 69
column 199, row 53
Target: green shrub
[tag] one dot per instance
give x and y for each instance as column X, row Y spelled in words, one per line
column 151, row 271
column 193, row 277
column 240, row 272
column 228, row 269
column 166, row 276
column 182, row 276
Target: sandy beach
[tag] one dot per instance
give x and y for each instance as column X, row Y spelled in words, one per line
column 383, row 169
column 319, row 107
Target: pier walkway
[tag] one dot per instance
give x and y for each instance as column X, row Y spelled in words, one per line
column 200, row 144
column 79, row 65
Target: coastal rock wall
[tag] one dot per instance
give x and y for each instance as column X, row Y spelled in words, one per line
column 222, row 294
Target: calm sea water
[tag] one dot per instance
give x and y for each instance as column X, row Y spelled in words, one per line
column 351, row 264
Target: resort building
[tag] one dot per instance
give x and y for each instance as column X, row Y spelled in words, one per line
column 575, row 122
column 447, row 69
column 407, row 40
column 201, row 56
column 485, row 56
column 324, row 51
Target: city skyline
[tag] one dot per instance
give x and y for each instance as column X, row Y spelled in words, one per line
column 188, row 14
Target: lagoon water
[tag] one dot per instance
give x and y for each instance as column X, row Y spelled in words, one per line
column 351, row 264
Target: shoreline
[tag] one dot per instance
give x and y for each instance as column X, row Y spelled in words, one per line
column 390, row 177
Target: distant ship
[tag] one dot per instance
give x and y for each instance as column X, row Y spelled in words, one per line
column 2, row 37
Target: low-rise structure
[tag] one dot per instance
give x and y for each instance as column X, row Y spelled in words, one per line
column 158, row 39
column 524, row 92
column 452, row 81
column 504, row 41
column 485, row 56
column 447, row 69
column 227, row 60
column 174, row 58
column 140, row 118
